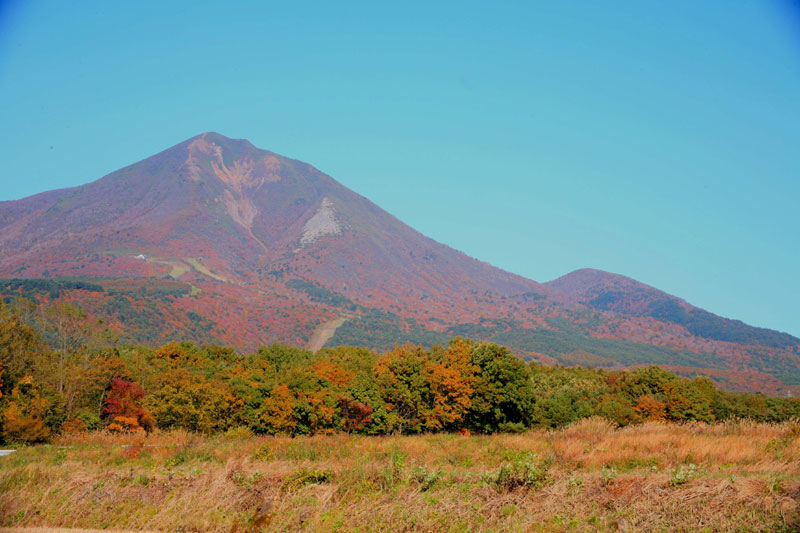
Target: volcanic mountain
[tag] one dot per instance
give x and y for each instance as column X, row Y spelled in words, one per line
column 243, row 214
column 215, row 240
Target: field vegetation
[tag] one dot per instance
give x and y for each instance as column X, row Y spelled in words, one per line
column 589, row 476
column 460, row 437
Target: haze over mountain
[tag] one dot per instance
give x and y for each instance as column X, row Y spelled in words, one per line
column 215, row 240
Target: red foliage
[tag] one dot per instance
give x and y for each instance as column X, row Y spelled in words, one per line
column 355, row 415
column 123, row 403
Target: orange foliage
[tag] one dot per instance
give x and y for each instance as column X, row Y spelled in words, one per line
column 74, row 425
column 451, row 382
column 23, row 416
column 651, row 409
column 336, row 375
column 277, row 410
column 173, row 352
column 125, row 424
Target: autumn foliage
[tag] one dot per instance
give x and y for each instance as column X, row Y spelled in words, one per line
column 25, row 413
column 123, row 407
column 467, row 386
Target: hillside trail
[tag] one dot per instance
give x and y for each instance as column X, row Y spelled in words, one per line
column 324, row 332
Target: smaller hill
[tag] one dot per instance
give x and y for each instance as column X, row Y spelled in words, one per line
column 623, row 295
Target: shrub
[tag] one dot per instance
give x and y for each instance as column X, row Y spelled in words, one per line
column 123, row 407
column 25, row 413
column 238, row 433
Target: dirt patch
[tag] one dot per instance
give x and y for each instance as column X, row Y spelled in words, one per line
column 324, row 332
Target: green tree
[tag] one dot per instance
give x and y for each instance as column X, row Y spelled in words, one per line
column 504, row 397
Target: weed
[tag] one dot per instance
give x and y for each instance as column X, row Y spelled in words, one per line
column 304, row 476
column 527, row 471
column 431, row 483
column 779, row 445
column 297, row 451
column 682, row 474
column 574, row 484
column 185, row 455
column 508, row 510
column 264, row 453
column 607, row 475
column 59, row 456
column 246, row 480
column 132, row 452
column 176, row 460
column 635, row 463
column 393, row 473
column 426, row 479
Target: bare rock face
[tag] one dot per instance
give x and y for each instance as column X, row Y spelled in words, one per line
column 322, row 223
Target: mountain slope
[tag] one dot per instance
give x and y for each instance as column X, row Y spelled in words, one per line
column 265, row 248
column 612, row 292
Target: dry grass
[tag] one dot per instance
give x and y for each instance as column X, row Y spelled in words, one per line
column 590, row 477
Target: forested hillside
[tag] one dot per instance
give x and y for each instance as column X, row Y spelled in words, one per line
column 78, row 381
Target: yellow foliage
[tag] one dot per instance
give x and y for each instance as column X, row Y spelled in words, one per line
column 277, row 410
column 23, row 416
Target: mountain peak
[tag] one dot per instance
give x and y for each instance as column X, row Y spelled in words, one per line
column 218, row 138
column 588, row 284
column 235, row 162
column 586, row 278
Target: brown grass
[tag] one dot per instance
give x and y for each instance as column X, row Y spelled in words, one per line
column 726, row 477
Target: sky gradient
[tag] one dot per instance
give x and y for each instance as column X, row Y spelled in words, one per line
column 656, row 140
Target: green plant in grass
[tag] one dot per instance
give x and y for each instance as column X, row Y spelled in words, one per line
column 304, row 476
column 527, row 470
column 426, row 478
column 682, row 473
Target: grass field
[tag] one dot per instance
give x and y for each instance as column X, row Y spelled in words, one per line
column 587, row 477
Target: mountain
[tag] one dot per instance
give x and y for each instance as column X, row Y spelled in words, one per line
column 215, row 240
column 242, row 215
column 612, row 292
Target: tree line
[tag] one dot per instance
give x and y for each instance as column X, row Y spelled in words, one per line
column 59, row 372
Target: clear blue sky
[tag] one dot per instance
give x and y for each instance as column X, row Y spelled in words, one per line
column 660, row 140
